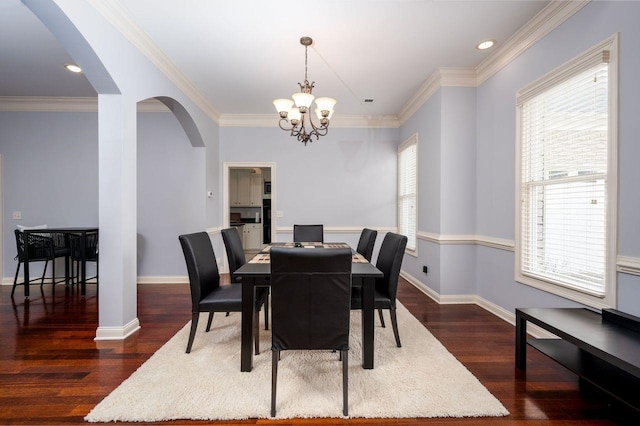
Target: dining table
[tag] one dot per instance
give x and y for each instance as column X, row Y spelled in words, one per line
column 257, row 271
column 82, row 232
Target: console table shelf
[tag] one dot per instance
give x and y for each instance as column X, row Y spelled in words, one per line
column 602, row 349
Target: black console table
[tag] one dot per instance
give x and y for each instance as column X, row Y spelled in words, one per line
column 603, row 349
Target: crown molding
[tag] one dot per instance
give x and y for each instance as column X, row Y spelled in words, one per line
column 539, row 26
column 543, row 23
column 341, row 121
column 428, row 89
column 549, row 18
column 66, row 104
column 47, row 104
column 117, row 16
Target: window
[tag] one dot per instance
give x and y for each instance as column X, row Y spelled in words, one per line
column 408, row 191
column 567, row 177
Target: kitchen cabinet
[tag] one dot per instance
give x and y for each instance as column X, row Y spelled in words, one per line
column 245, row 188
column 252, row 236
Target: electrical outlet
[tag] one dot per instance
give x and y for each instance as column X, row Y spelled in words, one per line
column 17, row 215
column 279, row 213
column 425, row 269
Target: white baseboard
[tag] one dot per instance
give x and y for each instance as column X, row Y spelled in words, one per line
column 458, row 299
column 169, row 279
column 117, row 333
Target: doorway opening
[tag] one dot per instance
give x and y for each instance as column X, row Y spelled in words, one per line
column 249, row 199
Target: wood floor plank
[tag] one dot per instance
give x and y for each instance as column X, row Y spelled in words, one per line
column 53, row 372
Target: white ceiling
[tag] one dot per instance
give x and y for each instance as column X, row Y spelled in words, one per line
column 242, row 54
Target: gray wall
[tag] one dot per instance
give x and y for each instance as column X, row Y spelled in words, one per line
column 50, row 174
column 345, row 179
column 171, row 193
column 496, row 148
column 467, row 179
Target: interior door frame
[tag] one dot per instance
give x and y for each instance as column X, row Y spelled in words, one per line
column 226, row 167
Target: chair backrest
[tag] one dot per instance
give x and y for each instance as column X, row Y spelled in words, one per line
column 40, row 247
column 366, row 243
column 310, row 298
column 389, row 263
column 90, row 244
column 201, row 266
column 235, row 252
column 308, row 233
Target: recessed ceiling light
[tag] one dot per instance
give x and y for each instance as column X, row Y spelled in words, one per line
column 73, row 68
column 485, row 44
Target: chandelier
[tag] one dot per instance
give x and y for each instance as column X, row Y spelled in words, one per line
column 296, row 119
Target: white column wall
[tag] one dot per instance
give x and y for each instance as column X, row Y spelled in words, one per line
column 117, row 217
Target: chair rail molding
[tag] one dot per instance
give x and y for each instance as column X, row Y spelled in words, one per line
column 628, row 265
column 481, row 240
column 340, row 229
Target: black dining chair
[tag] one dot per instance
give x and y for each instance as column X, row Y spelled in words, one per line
column 207, row 295
column 310, row 298
column 308, row 234
column 389, row 263
column 40, row 249
column 236, row 258
column 79, row 257
column 366, row 243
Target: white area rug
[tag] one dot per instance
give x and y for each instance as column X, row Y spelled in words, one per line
column 421, row 379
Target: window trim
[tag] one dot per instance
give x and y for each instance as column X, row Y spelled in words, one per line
column 607, row 49
column 411, row 140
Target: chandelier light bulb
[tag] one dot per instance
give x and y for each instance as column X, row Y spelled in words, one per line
column 294, row 115
column 320, row 113
column 303, row 100
column 325, row 104
column 283, row 106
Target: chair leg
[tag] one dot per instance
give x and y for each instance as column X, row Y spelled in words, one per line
column 381, row 318
column 275, row 357
column 46, row 262
column 209, row 322
column 345, row 382
column 15, row 279
column 394, row 323
column 256, row 332
column 192, row 334
column 266, row 312
column 53, row 273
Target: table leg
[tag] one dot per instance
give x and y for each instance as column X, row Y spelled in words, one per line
column 246, row 346
column 368, row 285
column 521, row 341
column 83, row 264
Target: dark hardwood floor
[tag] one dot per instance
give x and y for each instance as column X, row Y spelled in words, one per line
column 52, row 371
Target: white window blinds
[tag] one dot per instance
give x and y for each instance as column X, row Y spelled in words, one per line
column 563, row 188
column 407, row 191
